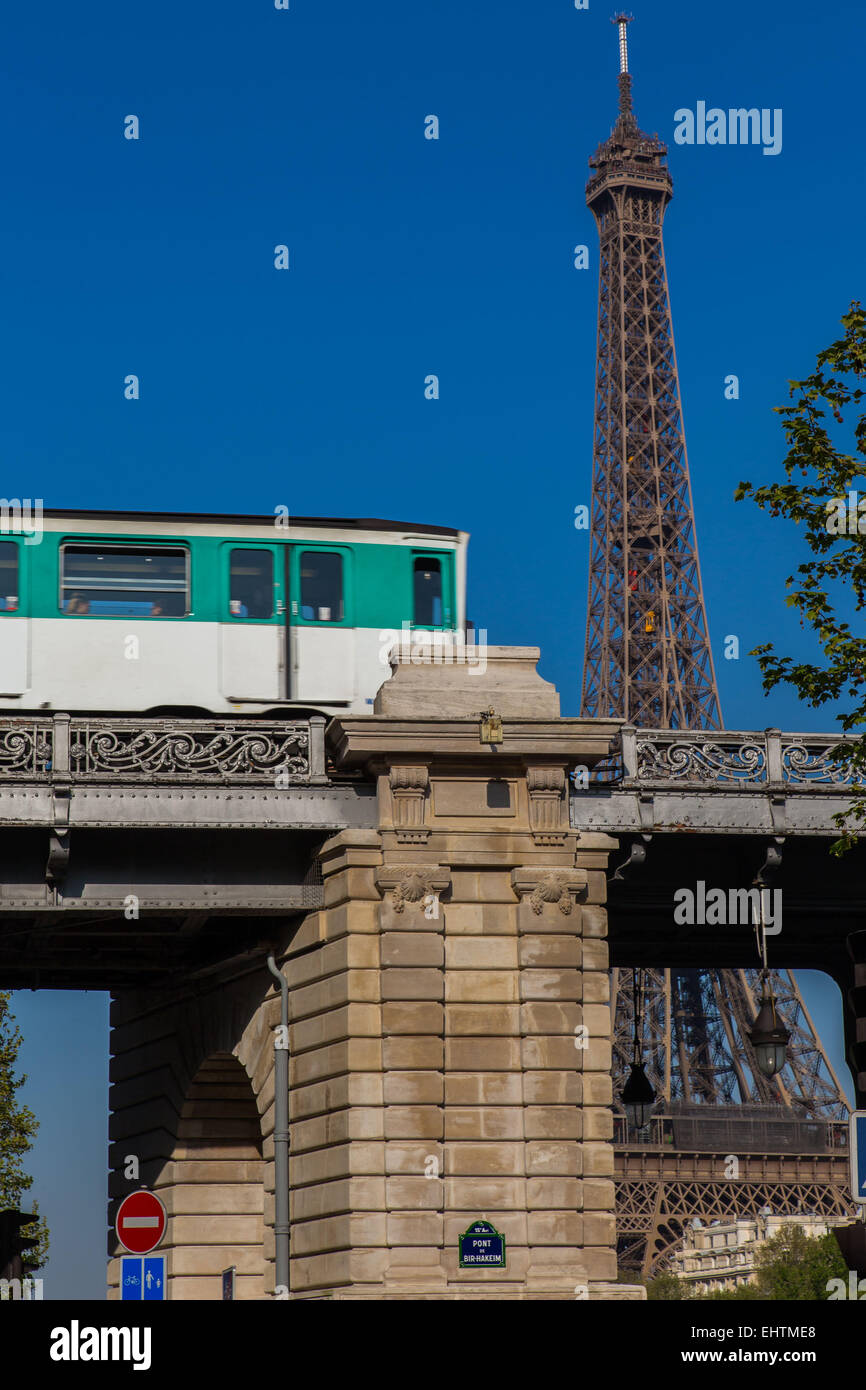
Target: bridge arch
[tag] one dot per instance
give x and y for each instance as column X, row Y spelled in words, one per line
column 216, row 1196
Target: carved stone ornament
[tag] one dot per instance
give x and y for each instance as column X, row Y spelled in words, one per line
column 547, row 805
column 551, row 890
column 546, row 887
column 409, row 785
column 412, row 883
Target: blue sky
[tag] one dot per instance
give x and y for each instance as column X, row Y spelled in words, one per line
column 408, row 257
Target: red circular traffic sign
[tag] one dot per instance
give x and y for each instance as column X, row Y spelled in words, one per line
column 141, row 1222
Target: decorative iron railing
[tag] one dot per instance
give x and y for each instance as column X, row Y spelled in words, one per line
column 701, row 758
column 68, row 748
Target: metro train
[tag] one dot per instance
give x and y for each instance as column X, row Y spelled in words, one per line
column 168, row 613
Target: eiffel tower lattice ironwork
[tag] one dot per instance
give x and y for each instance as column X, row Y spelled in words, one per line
column 648, row 660
column 647, row 656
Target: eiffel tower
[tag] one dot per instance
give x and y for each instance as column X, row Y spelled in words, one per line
column 648, row 661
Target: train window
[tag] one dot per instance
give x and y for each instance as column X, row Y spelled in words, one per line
column 251, row 584
column 322, row 586
column 427, row 587
column 8, row 577
column 124, row 581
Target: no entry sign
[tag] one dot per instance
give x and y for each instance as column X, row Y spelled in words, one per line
column 141, row 1222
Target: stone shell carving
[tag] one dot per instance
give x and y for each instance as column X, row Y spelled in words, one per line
column 553, row 889
column 414, row 888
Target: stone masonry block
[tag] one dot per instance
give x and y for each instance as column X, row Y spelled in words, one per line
column 483, row 1054
column 599, row 1228
column 412, row 949
column 413, row 1016
column 593, row 921
column 347, row 1231
column 353, row 952
column 414, row 1193
column 597, row 1122
column 483, row 1088
column 407, row 1054
column 539, row 1017
column 415, row 1228
column 350, row 1023
column 481, row 986
column 596, row 1018
column 599, row 1262
column 414, row 1088
column 414, row 1122
column 353, row 1088
column 598, row 1194
column 596, row 987
column 483, row 1160
column 413, row 984
column 555, row 1194
column 598, row 1160
column 485, row 1194
column 548, row 1158
column 481, row 953
column 597, row 1088
column 551, row 951
column 555, row 1228
column 596, row 955
column 343, row 1195
column 413, row 1159
column 484, row 1122
column 553, row 1122
column 557, row 1054
column 553, row 1088
column 482, row 1020
column 551, row 984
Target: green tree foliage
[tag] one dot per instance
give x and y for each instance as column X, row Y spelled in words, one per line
column 792, row 1266
column 743, row 1293
column 18, row 1126
column 666, row 1287
column 825, row 462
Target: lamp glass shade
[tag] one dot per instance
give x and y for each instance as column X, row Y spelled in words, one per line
column 638, row 1097
column 769, row 1039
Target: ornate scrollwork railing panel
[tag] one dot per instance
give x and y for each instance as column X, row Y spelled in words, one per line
column 124, row 750
column 717, row 760
column 26, row 748
column 811, row 762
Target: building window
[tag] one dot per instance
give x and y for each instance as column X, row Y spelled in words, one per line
column 251, row 584
column 124, row 581
column 322, row 586
column 427, row 591
column 8, row 577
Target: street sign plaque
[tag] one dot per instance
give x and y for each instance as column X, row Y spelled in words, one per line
column 481, row 1247
column 142, row 1277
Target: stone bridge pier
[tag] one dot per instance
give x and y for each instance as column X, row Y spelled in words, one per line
column 449, row 1034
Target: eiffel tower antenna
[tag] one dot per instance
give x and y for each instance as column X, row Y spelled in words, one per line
column 622, row 21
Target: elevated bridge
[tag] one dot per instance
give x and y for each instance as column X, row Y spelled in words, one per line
column 446, row 915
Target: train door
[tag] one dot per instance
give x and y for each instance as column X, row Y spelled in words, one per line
column 252, row 623
column 322, row 625
column 14, row 622
column 433, row 590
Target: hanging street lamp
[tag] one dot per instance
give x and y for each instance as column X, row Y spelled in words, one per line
column 768, row 1037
